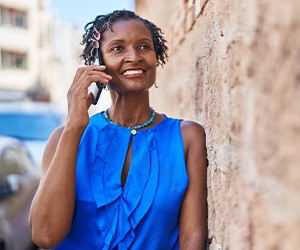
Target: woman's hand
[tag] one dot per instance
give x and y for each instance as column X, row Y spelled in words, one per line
column 79, row 98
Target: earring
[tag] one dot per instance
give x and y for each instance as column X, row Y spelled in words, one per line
column 106, row 88
column 155, row 85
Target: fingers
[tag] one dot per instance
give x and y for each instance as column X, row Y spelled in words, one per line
column 84, row 77
column 88, row 74
column 93, row 76
column 80, row 70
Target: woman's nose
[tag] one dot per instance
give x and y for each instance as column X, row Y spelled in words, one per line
column 132, row 55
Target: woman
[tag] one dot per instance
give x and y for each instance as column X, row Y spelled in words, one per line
column 128, row 177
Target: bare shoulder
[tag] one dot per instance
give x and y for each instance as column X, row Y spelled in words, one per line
column 51, row 147
column 193, row 134
column 55, row 136
column 194, row 141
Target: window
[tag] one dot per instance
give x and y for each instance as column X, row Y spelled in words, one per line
column 13, row 60
column 13, row 17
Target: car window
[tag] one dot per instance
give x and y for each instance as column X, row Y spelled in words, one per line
column 13, row 161
column 29, row 126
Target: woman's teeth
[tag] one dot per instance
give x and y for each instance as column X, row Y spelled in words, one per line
column 133, row 72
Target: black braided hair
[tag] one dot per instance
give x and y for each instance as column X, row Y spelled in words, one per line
column 105, row 22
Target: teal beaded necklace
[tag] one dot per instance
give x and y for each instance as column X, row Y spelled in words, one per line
column 132, row 128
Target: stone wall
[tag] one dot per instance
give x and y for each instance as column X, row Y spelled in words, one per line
column 234, row 66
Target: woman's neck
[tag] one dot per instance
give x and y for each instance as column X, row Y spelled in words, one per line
column 130, row 110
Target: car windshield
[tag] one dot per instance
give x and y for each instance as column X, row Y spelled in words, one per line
column 26, row 126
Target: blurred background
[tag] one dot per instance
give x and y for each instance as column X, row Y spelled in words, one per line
column 40, row 52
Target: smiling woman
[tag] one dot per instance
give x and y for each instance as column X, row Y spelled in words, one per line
column 109, row 179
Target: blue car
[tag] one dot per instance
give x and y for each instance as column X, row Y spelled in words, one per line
column 30, row 122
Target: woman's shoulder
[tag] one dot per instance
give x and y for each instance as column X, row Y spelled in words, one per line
column 51, row 146
column 191, row 127
column 56, row 134
column 193, row 133
column 190, row 130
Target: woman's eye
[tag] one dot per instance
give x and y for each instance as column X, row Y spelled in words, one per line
column 117, row 48
column 144, row 46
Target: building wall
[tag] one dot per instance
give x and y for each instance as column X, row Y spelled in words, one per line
column 33, row 40
column 234, row 66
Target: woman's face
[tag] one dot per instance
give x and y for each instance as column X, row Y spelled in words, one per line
column 129, row 55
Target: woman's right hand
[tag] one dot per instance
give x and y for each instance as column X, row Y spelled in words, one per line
column 79, row 98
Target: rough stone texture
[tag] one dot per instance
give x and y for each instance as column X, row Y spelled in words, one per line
column 235, row 67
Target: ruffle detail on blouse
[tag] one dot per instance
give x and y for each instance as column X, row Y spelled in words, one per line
column 120, row 209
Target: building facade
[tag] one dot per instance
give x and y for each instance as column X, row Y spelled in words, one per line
column 39, row 53
column 234, row 67
column 66, row 59
column 25, row 45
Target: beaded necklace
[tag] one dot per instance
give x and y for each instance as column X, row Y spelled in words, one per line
column 132, row 128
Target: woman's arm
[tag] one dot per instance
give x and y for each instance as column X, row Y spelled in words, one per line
column 193, row 215
column 52, row 208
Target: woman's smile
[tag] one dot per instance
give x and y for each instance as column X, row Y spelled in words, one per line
column 133, row 73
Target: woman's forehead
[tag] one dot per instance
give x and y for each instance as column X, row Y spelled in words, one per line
column 127, row 27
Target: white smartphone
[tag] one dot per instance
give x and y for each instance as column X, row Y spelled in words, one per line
column 96, row 89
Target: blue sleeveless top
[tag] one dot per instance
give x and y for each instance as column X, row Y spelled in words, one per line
column 144, row 213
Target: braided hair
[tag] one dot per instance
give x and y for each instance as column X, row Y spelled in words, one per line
column 105, row 22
